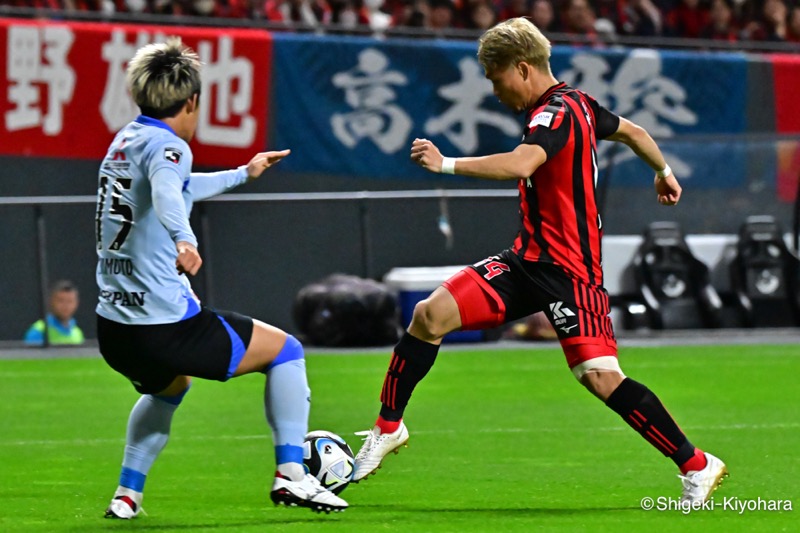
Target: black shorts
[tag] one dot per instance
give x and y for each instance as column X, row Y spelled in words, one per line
column 503, row 288
column 208, row 345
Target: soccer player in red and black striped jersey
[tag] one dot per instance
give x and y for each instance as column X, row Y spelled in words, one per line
column 554, row 264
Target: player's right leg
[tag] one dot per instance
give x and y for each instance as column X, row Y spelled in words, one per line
column 411, row 360
column 147, row 434
column 464, row 301
column 150, row 419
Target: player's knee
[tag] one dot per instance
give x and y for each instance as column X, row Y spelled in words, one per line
column 176, row 391
column 292, row 351
column 606, row 363
column 600, row 375
column 426, row 322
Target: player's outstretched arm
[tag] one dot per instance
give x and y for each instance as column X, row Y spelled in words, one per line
column 518, row 164
column 263, row 160
column 203, row 185
column 643, row 145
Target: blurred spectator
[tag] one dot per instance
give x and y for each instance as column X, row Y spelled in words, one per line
column 442, row 14
column 515, row 8
column 793, row 25
column 39, row 4
column 346, row 14
column 595, row 21
column 103, row 6
column 721, row 25
column 248, row 9
column 375, row 16
column 133, row 6
column 542, row 15
column 415, row 14
column 168, row 7
column 205, row 8
column 640, row 17
column 578, row 18
column 59, row 322
column 482, row 15
column 688, row 19
column 772, row 25
column 306, row 12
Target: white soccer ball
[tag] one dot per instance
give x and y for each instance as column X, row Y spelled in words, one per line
column 327, row 457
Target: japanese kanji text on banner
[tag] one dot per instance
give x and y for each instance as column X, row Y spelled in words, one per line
column 64, row 94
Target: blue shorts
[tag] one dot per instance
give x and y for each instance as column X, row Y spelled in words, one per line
column 208, row 345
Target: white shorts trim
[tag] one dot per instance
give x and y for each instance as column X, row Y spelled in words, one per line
column 605, row 363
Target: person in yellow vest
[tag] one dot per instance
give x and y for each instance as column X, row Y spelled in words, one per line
column 60, row 324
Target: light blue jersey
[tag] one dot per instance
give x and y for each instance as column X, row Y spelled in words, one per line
column 144, row 197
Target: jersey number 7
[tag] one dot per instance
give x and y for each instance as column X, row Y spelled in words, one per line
column 117, row 208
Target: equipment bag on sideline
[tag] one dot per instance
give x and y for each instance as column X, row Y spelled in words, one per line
column 343, row 310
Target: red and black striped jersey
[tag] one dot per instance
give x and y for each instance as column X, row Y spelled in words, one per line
column 559, row 221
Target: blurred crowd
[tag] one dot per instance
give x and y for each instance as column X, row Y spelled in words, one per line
column 726, row 20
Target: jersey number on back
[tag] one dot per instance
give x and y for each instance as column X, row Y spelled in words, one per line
column 117, row 208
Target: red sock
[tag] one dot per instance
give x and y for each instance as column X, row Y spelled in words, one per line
column 697, row 462
column 387, row 426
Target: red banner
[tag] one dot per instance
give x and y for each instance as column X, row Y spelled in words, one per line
column 786, row 80
column 64, row 92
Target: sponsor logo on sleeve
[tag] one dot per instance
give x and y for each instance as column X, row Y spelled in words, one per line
column 172, row 155
column 544, row 118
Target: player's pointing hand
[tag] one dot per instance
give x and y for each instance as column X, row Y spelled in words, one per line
column 262, row 161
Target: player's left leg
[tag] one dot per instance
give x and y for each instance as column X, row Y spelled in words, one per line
column 592, row 356
column 148, row 431
column 287, row 399
column 701, row 472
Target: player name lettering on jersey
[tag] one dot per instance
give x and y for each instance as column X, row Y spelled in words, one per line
column 125, row 299
column 544, row 118
column 115, row 266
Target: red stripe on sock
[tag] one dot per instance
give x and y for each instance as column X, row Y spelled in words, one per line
column 657, row 443
column 632, row 419
column 385, row 390
column 665, row 439
column 640, row 415
column 394, row 393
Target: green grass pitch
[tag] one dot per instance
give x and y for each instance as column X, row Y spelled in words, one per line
column 501, row 441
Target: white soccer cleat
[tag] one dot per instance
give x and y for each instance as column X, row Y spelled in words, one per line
column 377, row 446
column 308, row 492
column 698, row 486
column 126, row 504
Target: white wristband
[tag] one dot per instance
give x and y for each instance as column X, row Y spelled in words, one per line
column 448, row 165
column 663, row 173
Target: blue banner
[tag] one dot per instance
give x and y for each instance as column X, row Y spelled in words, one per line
column 352, row 106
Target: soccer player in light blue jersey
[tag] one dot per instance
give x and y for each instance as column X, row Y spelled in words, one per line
column 151, row 327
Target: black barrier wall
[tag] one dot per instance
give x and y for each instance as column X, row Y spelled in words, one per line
column 258, row 255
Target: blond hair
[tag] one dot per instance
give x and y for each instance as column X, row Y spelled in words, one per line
column 511, row 42
column 163, row 76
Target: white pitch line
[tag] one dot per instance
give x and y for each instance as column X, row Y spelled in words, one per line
column 94, row 442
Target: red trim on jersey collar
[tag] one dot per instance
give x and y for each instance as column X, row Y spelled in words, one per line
column 548, row 92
